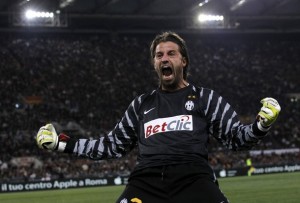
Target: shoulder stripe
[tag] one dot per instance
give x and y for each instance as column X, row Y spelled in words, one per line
column 208, row 102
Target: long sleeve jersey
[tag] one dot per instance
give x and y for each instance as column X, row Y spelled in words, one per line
column 172, row 128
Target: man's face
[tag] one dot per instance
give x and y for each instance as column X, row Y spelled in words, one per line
column 169, row 64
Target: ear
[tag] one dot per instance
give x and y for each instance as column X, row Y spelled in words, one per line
column 184, row 62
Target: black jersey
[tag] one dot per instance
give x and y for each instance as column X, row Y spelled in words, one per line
column 172, row 128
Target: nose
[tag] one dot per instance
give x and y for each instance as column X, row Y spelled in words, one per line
column 165, row 58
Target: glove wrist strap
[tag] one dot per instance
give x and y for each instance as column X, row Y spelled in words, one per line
column 61, row 146
column 262, row 128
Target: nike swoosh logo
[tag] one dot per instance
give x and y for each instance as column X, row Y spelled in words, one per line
column 145, row 112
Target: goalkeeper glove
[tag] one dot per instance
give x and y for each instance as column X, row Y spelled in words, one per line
column 268, row 113
column 47, row 138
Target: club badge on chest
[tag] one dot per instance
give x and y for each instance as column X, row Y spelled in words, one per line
column 189, row 105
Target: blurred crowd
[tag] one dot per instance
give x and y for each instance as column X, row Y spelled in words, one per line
column 83, row 84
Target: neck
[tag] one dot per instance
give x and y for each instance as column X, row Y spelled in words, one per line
column 173, row 87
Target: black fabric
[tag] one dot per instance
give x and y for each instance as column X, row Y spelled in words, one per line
column 174, row 146
column 70, row 145
column 172, row 184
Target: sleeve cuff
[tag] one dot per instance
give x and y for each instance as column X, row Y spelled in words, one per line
column 70, row 145
column 259, row 130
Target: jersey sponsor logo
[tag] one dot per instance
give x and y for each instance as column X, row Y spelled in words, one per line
column 175, row 123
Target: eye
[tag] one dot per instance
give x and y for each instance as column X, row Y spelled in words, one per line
column 172, row 53
column 158, row 55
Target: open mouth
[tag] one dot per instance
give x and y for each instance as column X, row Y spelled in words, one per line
column 166, row 71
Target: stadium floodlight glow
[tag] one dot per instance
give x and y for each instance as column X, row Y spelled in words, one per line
column 203, row 3
column 209, row 18
column 38, row 18
column 65, row 3
column 30, row 14
column 237, row 5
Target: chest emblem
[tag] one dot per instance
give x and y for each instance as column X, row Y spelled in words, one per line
column 147, row 111
column 189, row 105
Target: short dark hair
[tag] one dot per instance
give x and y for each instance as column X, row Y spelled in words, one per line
column 171, row 37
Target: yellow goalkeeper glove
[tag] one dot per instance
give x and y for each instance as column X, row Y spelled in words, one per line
column 47, row 138
column 268, row 112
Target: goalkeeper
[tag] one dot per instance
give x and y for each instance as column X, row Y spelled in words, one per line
column 171, row 127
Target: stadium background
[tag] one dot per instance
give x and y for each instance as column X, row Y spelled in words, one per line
column 82, row 73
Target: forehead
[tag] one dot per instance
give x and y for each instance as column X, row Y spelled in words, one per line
column 167, row 46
